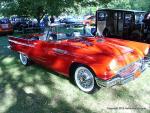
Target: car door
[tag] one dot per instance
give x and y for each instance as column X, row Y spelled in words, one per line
column 41, row 52
column 128, row 23
column 60, row 57
column 119, row 29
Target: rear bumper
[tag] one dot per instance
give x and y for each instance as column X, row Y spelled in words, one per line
column 119, row 80
column 6, row 31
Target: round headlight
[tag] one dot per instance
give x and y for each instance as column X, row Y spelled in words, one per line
column 113, row 64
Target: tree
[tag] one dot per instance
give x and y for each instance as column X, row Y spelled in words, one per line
column 38, row 8
column 120, row 4
column 142, row 5
column 130, row 4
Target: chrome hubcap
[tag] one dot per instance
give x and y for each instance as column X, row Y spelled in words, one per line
column 23, row 59
column 84, row 79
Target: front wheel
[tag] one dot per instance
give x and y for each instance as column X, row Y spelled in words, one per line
column 84, row 79
column 24, row 59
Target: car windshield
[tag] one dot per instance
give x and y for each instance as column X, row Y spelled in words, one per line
column 64, row 32
column 22, row 19
column 4, row 21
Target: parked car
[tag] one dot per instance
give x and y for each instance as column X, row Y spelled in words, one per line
column 88, row 60
column 20, row 22
column 71, row 21
column 125, row 24
column 5, row 26
column 89, row 20
column 24, row 23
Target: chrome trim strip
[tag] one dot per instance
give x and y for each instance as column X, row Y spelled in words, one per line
column 16, row 42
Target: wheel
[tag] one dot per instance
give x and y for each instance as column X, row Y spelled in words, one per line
column 84, row 79
column 24, row 59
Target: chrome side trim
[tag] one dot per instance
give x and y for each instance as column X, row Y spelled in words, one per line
column 20, row 43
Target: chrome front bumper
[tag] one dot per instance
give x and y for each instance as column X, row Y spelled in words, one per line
column 114, row 81
column 119, row 80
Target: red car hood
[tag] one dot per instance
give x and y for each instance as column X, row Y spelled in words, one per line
column 94, row 46
column 104, row 50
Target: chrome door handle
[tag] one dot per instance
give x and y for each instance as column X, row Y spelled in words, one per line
column 60, row 51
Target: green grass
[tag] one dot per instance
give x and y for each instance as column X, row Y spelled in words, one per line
column 34, row 89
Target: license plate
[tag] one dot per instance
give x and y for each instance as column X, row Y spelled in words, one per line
column 4, row 26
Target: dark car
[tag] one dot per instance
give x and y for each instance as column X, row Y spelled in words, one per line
column 126, row 24
column 23, row 23
column 71, row 21
column 5, row 26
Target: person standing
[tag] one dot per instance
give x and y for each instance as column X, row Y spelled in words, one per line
column 45, row 20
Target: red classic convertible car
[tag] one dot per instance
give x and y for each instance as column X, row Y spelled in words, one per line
column 90, row 61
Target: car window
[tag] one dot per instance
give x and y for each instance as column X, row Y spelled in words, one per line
column 139, row 18
column 118, row 16
column 128, row 18
column 62, row 33
column 102, row 16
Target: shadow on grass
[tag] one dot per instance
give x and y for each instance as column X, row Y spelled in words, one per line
column 132, row 100
column 33, row 91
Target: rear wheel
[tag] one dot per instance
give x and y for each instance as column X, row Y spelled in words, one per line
column 84, row 79
column 24, row 59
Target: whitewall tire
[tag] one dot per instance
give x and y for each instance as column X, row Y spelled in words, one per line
column 24, row 59
column 84, row 79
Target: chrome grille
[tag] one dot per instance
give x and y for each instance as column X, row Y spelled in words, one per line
column 131, row 68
